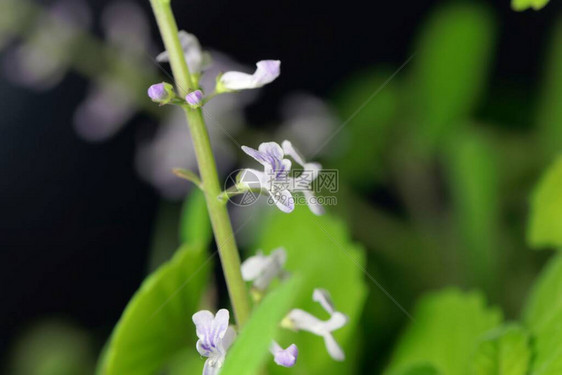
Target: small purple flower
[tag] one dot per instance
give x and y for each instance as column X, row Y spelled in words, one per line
column 267, row 71
column 301, row 320
column 161, row 93
column 215, row 337
column 274, row 179
column 284, row 357
column 194, row 98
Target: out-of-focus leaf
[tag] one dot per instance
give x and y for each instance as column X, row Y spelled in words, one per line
column 53, row 348
column 156, row 324
column 366, row 104
column 320, row 249
column 164, row 239
column 503, row 351
column 418, row 369
column 195, row 225
column 520, row 5
column 451, row 64
column 472, row 171
column 545, row 300
column 187, row 361
column 251, row 347
column 543, row 317
column 545, row 226
column 549, row 115
column 445, row 331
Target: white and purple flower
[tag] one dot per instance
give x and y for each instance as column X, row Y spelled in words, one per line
column 301, row 320
column 274, row 179
column 266, row 72
column 262, row 269
column 215, row 337
column 284, row 357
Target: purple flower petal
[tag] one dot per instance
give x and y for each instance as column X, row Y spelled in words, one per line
column 157, row 92
column 194, row 98
column 284, row 357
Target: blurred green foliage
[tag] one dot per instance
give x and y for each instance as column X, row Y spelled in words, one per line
column 545, row 226
column 361, row 157
column 53, row 347
column 549, row 113
column 450, row 69
column 502, row 351
column 543, row 316
column 520, row 5
column 473, row 176
column 444, row 332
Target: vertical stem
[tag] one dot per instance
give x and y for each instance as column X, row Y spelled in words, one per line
column 218, row 214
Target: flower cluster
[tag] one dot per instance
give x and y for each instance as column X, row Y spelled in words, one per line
column 279, row 180
column 216, row 336
column 198, row 60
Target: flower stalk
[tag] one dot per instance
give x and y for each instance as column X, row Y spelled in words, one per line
column 218, row 214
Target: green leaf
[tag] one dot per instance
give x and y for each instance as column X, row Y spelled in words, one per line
column 545, row 300
column 503, row 351
column 418, row 369
column 446, row 330
column 320, row 250
column 251, row 348
column 549, row 111
column 195, row 225
column 545, row 226
column 156, row 324
column 187, row 361
column 520, row 5
column 451, row 64
column 543, row 316
column 472, row 170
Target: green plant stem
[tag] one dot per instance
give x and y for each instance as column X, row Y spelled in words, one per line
column 218, row 214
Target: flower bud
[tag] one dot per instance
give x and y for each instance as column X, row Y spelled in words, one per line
column 194, row 98
column 161, row 93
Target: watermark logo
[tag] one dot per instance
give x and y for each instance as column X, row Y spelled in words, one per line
column 237, row 195
column 243, row 187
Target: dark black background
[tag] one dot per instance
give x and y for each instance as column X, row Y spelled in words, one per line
column 75, row 219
